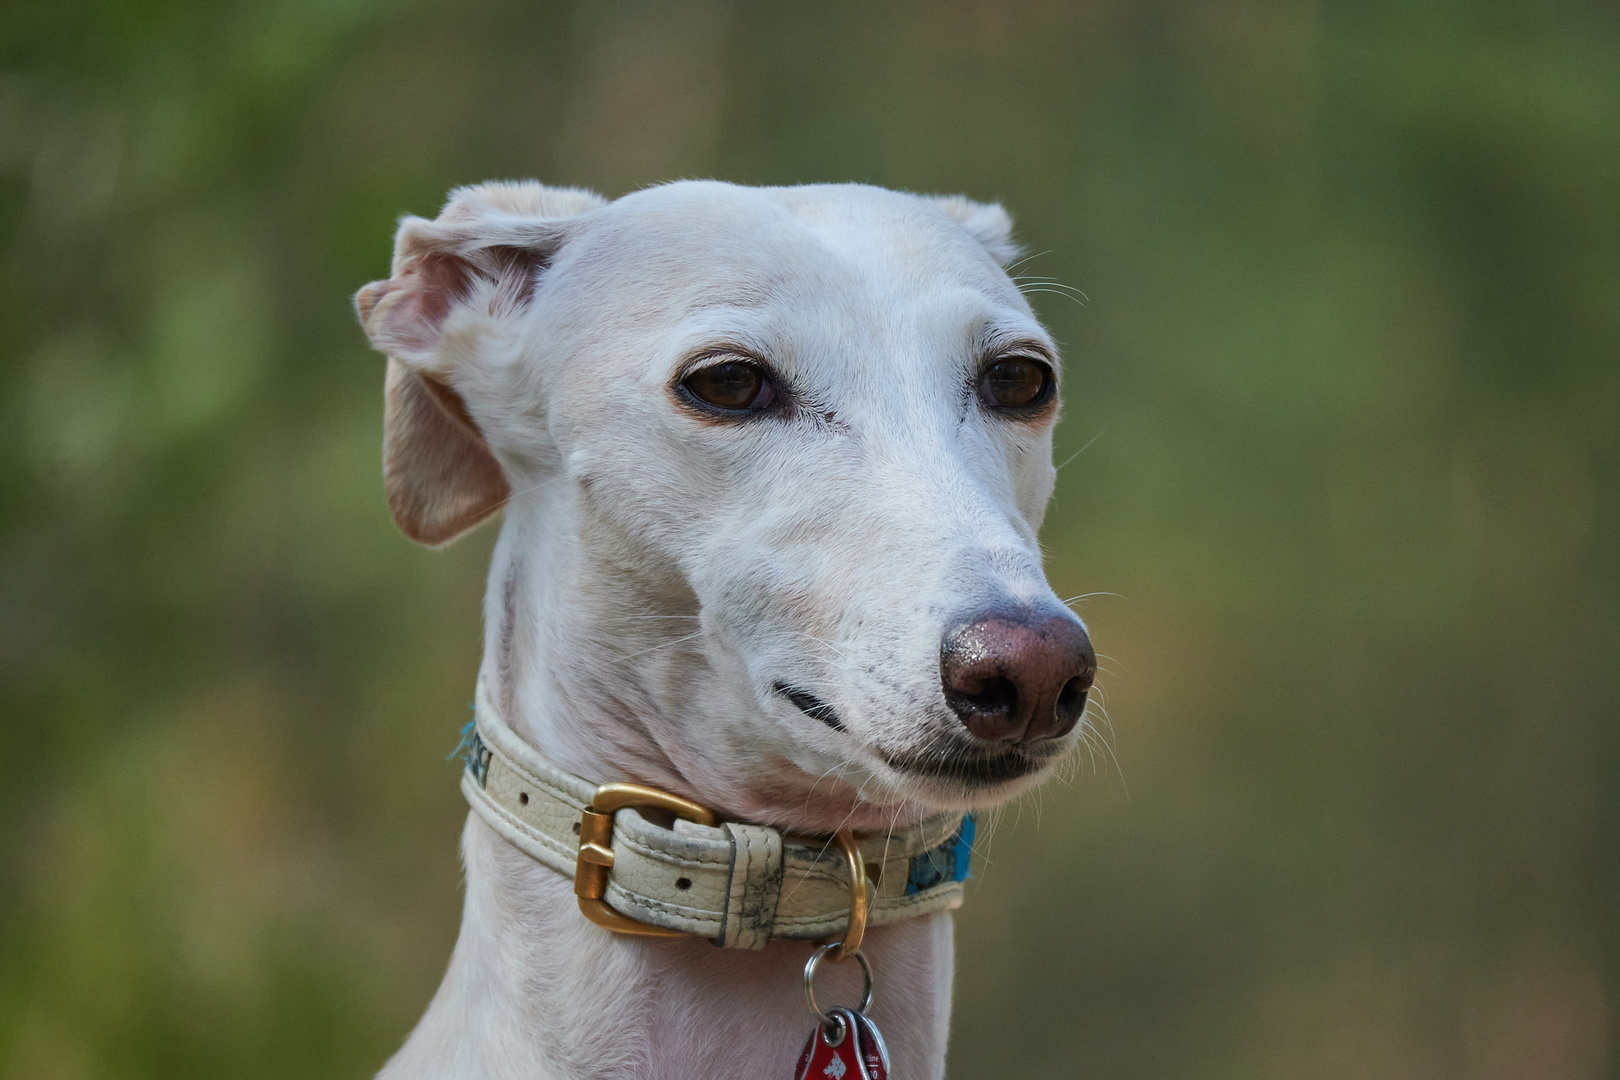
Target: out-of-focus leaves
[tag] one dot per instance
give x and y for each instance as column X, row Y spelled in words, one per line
column 1341, row 435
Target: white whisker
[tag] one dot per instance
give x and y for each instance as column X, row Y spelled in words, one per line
column 1080, row 451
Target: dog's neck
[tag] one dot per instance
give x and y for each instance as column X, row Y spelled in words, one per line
column 536, row 990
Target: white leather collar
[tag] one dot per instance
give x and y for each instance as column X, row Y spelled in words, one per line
column 735, row 884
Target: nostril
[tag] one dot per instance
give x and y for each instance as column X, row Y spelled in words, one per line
column 1071, row 700
column 998, row 694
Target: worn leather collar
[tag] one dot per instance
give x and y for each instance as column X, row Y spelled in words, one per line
column 736, row 884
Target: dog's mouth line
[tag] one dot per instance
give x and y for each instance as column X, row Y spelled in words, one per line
column 810, row 705
column 970, row 765
column 943, row 758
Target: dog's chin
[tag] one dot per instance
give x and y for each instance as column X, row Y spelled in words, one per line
column 963, row 776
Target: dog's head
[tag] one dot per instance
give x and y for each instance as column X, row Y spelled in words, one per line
column 790, row 447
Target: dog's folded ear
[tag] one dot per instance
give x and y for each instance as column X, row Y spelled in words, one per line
column 440, row 478
column 455, row 280
column 988, row 223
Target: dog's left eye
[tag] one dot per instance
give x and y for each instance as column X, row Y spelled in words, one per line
column 732, row 386
column 1019, row 383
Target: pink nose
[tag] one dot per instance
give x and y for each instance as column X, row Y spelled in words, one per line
column 1016, row 679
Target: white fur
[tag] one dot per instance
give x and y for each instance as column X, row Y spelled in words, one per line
column 658, row 573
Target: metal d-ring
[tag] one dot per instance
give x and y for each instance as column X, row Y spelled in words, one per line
column 810, row 982
column 860, row 898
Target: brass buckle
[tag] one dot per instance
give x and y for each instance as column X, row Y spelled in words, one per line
column 860, row 901
column 596, row 851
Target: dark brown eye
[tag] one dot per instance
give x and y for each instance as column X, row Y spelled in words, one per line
column 1018, row 382
column 732, row 386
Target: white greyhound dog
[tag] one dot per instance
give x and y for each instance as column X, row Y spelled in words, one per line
column 772, row 462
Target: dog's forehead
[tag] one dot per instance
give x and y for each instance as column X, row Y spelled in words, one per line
column 701, row 244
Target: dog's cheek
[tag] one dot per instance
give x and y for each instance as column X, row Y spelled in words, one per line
column 1035, row 485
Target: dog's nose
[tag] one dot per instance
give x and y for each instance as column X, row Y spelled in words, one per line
column 1014, row 678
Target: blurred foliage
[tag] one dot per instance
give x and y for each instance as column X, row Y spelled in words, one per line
column 1347, row 387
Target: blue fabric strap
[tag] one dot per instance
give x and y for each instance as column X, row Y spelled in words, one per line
column 950, row 861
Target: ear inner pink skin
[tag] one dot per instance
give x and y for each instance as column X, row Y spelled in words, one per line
column 427, row 288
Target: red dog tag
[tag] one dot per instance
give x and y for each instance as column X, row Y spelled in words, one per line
column 847, row 1048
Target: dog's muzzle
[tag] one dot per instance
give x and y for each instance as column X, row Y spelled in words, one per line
column 698, row 878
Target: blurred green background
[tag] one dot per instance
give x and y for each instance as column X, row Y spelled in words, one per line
column 1348, row 380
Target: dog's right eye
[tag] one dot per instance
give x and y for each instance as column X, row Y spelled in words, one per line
column 733, row 386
